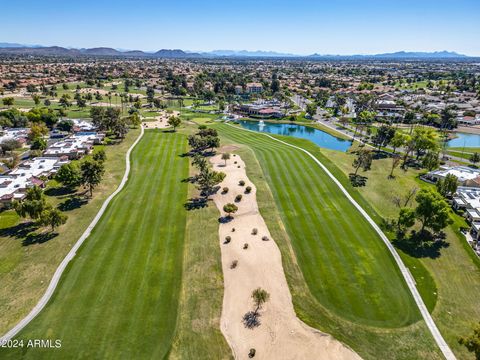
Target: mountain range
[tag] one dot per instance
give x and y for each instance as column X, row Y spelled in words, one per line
column 20, row 49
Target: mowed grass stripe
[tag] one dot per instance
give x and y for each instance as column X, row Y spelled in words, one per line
column 119, row 297
column 344, row 262
column 308, row 217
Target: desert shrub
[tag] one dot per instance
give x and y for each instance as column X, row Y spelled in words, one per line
column 265, row 238
column 248, row 189
column 254, row 231
column 238, row 198
column 234, row 264
column 227, row 239
column 233, row 229
column 225, row 190
column 241, row 183
column 245, row 246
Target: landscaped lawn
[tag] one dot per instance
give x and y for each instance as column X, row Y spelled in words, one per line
column 342, row 277
column 198, row 333
column 119, row 297
column 455, row 271
column 26, row 270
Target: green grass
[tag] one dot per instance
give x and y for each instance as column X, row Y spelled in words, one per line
column 198, row 332
column 31, row 267
column 119, row 297
column 455, row 272
column 370, row 342
column 302, row 246
column 359, row 280
column 466, row 149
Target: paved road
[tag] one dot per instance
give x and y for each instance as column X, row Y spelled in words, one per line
column 447, row 352
column 58, row 273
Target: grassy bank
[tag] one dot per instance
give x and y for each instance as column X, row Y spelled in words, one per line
column 454, row 269
column 119, row 297
column 342, row 278
column 26, row 268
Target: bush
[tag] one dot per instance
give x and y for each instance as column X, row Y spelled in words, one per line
column 234, row 162
column 238, row 166
column 234, row 264
column 233, row 229
column 265, row 238
column 254, row 231
column 225, row 190
column 227, row 239
column 251, row 353
column 248, row 190
column 238, row 198
column 241, row 183
column 245, row 246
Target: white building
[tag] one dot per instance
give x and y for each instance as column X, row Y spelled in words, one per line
column 74, row 147
column 468, row 199
column 14, row 185
column 466, row 176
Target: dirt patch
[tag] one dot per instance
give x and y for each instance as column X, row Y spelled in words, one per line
column 160, row 121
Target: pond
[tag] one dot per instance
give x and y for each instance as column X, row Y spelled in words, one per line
column 464, row 139
column 319, row 137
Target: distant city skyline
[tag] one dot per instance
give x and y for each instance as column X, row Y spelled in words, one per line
column 300, row 27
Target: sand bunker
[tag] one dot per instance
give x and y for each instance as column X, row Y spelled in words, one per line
column 281, row 335
column 160, row 121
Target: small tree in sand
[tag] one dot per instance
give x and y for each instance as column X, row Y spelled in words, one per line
column 174, row 121
column 230, row 209
column 225, row 156
column 260, row 297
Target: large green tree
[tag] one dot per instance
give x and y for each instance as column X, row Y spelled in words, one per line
column 432, row 210
column 92, row 173
column 52, row 217
column 69, row 175
column 32, row 205
column 362, row 160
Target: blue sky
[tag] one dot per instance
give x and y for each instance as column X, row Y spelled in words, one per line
column 299, row 26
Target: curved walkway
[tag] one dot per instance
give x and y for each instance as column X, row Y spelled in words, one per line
column 71, row 254
column 442, row 344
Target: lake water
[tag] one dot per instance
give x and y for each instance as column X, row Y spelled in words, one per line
column 467, row 140
column 319, row 137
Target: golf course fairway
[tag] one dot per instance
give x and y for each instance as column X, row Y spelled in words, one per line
column 119, row 297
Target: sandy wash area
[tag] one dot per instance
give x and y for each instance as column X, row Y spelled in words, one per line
column 160, row 121
column 280, row 335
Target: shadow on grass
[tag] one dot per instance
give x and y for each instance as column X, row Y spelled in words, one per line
column 422, row 244
column 72, row 203
column 59, row 191
column 20, row 230
column 38, row 238
column 195, row 203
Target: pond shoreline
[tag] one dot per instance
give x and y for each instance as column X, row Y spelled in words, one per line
column 322, row 138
